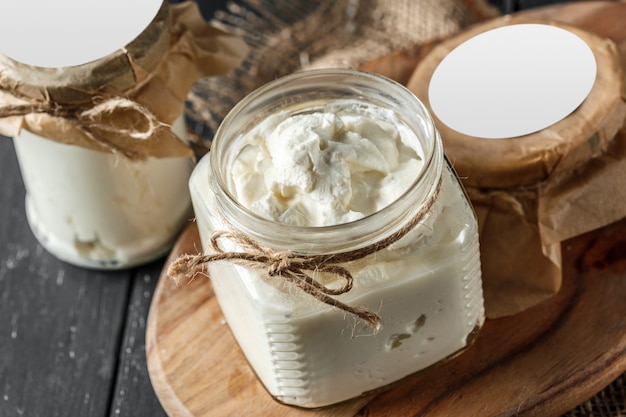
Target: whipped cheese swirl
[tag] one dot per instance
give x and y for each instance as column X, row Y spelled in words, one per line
column 325, row 167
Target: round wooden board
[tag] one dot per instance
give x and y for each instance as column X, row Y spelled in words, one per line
column 541, row 362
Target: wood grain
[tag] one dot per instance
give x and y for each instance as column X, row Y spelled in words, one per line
column 73, row 339
column 131, row 391
column 61, row 325
column 541, row 362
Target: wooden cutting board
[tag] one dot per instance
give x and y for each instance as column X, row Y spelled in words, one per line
column 541, row 362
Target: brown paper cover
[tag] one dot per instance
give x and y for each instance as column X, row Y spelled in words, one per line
column 533, row 192
column 124, row 102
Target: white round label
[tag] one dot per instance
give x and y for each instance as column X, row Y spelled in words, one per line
column 512, row 81
column 62, row 33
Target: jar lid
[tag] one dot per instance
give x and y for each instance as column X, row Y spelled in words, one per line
column 125, row 102
column 531, row 158
column 110, row 74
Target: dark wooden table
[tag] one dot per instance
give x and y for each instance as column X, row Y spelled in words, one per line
column 72, row 340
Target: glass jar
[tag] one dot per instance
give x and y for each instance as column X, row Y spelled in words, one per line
column 99, row 210
column 98, row 124
column 426, row 286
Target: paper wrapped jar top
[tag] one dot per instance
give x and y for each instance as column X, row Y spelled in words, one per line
column 530, row 158
column 110, row 74
column 124, row 101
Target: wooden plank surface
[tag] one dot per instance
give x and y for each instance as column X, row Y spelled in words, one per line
column 133, row 394
column 61, row 325
column 72, row 340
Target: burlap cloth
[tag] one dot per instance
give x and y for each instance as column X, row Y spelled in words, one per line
column 287, row 36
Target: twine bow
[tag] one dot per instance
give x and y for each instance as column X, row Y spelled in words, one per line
column 285, row 264
column 292, row 267
column 88, row 119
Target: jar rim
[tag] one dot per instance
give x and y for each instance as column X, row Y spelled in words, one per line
column 430, row 153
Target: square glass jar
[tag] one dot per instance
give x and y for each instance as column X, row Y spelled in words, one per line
column 425, row 285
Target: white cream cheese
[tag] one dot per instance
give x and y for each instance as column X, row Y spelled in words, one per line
column 99, row 210
column 328, row 168
column 89, row 208
column 323, row 168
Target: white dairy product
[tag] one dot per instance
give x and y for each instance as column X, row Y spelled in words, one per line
column 89, row 208
column 120, row 92
column 426, row 287
column 100, row 210
column 323, row 168
column 311, row 355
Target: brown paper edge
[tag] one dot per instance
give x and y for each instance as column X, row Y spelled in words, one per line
column 196, row 50
column 522, row 228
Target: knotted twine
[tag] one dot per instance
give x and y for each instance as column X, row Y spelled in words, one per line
column 292, row 267
column 84, row 117
column 124, row 102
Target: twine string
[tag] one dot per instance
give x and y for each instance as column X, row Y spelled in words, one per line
column 86, row 119
column 293, row 267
